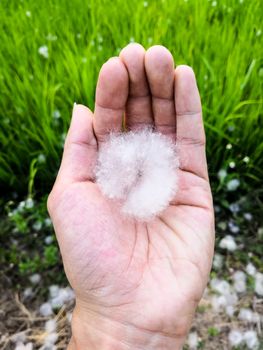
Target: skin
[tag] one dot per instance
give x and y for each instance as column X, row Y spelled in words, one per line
column 137, row 284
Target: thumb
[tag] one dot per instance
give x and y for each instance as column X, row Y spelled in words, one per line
column 80, row 149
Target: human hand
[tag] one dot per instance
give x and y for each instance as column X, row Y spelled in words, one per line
column 137, row 284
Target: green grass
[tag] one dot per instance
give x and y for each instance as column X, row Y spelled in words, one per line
column 223, row 43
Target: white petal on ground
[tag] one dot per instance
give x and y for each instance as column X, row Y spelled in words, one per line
column 240, row 286
column 18, row 337
column 251, row 340
column 218, row 261
column 140, row 170
column 228, row 243
column 45, row 309
column 239, row 278
column 28, row 292
column 35, row 278
column 233, row 184
column 230, row 310
column 220, row 286
column 51, row 326
column 21, row 346
column 192, row 340
column 43, row 51
column 235, row 338
column 259, row 283
column 53, row 291
column 51, row 338
column 246, row 315
column 251, row 269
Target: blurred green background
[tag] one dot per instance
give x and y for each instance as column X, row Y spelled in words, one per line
column 51, row 52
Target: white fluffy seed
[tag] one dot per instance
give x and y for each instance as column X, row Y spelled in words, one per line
column 139, row 169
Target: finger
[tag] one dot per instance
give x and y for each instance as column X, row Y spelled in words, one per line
column 80, row 150
column 190, row 129
column 159, row 67
column 138, row 109
column 111, row 97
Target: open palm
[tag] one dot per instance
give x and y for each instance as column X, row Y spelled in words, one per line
column 144, row 276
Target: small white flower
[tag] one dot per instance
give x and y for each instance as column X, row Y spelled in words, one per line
column 43, row 51
column 18, row 337
column 28, row 13
column 233, row 184
column 56, row 114
column 51, row 338
column 61, row 296
column 21, row 207
column 220, row 286
column 49, row 240
column 248, row 216
column 259, row 283
column 28, row 292
column 218, row 261
column 192, row 340
column 251, row 340
column 218, row 303
column 214, row 3
column 51, row 326
column 259, row 32
column 250, row 269
column 246, row 159
column 53, row 291
column 222, row 174
column 48, row 222
column 232, row 165
column 230, row 310
column 239, row 276
column 234, row 207
column 35, row 278
column 21, row 346
column 246, row 315
column 29, row 203
column 228, row 243
column 145, row 3
column 41, row 158
column 229, row 146
column 37, row 226
column 235, row 337
column 240, row 286
column 45, row 309
column 233, row 227
column 51, row 37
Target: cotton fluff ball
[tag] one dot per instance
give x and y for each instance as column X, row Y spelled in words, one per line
column 235, row 338
column 193, row 341
column 139, row 169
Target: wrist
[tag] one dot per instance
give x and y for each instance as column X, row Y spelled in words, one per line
column 92, row 331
